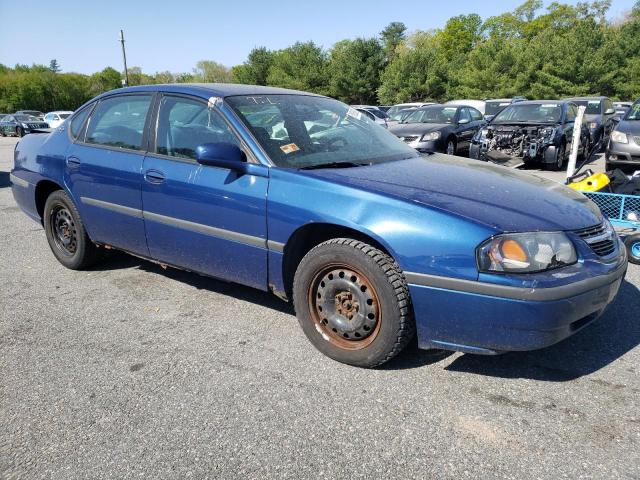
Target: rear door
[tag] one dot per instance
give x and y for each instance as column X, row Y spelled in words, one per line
column 104, row 171
column 203, row 218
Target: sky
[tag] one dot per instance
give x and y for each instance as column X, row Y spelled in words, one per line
column 173, row 35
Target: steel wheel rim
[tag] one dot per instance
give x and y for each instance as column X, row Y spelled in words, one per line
column 344, row 307
column 635, row 249
column 450, row 148
column 63, row 230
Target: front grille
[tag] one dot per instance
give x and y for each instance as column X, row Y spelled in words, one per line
column 637, row 140
column 600, row 238
column 410, row 138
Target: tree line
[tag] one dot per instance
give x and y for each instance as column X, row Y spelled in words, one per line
column 563, row 50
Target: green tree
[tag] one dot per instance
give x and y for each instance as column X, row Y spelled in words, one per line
column 391, row 37
column 256, row 69
column 54, row 66
column 355, row 67
column 208, row 71
column 303, row 66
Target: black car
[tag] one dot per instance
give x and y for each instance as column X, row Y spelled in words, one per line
column 20, row 125
column 496, row 105
column 440, row 128
column 532, row 131
column 600, row 115
column 34, row 113
column 623, row 149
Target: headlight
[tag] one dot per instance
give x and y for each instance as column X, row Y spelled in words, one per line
column 428, row 137
column 619, row 137
column 24, row 125
column 548, row 132
column 526, row 252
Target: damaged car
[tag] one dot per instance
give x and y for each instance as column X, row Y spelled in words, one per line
column 539, row 131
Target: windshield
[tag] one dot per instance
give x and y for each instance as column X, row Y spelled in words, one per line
column 531, row 113
column 634, row 112
column 65, row 115
column 438, row 114
column 594, row 107
column 26, row 118
column 492, row 108
column 299, row 131
column 398, row 113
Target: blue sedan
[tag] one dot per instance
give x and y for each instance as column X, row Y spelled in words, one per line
column 306, row 197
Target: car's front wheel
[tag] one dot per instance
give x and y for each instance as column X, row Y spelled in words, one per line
column 450, row 149
column 353, row 303
column 19, row 132
column 558, row 163
column 632, row 242
column 66, row 234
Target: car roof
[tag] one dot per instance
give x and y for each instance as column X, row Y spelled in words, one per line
column 209, row 90
column 541, row 102
column 586, row 98
column 60, row 111
column 499, row 99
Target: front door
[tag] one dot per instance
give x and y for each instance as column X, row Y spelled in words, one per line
column 206, row 219
column 103, row 171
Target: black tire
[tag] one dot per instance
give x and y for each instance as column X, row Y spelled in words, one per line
column 450, row 146
column 632, row 242
column 381, row 322
column 2, row 132
column 19, row 132
column 66, row 234
column 608, row 166
column 560, row 158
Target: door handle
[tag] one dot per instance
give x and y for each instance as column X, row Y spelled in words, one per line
column 154, row 176
column 73, row 162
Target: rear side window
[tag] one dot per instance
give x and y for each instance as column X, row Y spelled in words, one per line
column 78, row 121
column 119, row 121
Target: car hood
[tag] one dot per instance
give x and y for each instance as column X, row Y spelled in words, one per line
column 631, row 127
column 403, row 129
column 498, row 197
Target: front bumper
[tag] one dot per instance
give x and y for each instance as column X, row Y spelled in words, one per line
column 427, row 147
column 478, row 317
column 623, row 153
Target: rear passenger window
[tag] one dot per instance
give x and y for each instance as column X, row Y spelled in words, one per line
column 183, row 124
column 119, row 121
column 78, row 121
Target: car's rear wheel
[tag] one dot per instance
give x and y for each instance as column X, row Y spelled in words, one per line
column 353, row 303
column 66, row 234
column 632, row 242
column 19, row 132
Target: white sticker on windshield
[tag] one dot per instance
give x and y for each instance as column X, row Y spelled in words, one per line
column 594, row 102
column 549, row 105
column 352, row 112
column 504, row 104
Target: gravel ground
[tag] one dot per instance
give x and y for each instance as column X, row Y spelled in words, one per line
column 130, row 371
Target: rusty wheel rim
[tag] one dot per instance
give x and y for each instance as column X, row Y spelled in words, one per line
column 344, row 307
column 65, row 234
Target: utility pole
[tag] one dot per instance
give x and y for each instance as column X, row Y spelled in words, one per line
column 124, row 59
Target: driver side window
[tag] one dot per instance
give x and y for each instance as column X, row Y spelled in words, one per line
column 183, row 124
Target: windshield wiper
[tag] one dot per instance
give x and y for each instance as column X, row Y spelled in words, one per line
column 333, row 165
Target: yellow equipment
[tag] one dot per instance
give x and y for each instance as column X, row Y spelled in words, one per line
column 588, row 181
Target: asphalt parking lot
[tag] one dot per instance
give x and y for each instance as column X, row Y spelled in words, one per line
column 130, row 370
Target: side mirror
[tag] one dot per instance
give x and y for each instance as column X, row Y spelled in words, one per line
column 610, row 111
column 228, row 155
column 463, row 121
